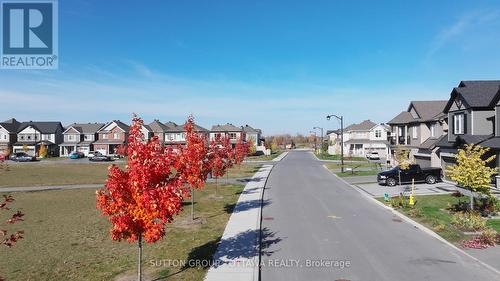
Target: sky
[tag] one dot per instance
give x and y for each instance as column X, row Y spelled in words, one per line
column 281, row 66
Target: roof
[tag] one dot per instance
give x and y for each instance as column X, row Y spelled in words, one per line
column 10, row 125
column 492, row 143
column 249, row 129
column 86, row 128
column 118, row 123
column 43, row 127
column 428, row 110
column 228, row 127
column 461, row 140
column 157, row 126
column 180, row 128
column 476, row 94
column 430, row 143
column 363, row 126
column 402, row 118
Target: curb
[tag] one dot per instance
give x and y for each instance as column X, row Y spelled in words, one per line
column 280, row 157
column 243, row 231
column 417, row 225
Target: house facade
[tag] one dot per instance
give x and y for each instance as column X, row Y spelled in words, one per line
column 228, row 130
column 8, row 135
column 472, row 111
column 111, row 136
column 361, row 139
column 418, row 129
column 252, row 134
column 79, row 137
column 176, row 134
column 156, row 128
column 31, row 135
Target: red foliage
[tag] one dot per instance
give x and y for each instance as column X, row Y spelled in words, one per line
column 195, row 165
column 240, row 151
column 121, row 150
column 16, row 217
column 222, row 154
column 145, row 196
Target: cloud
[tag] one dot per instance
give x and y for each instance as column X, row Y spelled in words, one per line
column 276, row 108
column 466, row 23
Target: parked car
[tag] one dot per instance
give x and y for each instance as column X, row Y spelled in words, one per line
column 22, row 157
column 76, row 155
column 427, row 175
column 99, row 157
column 92, row 153
column 373, row 155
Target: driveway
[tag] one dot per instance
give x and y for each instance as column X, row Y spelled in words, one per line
column 376, row 190
column 317, row 227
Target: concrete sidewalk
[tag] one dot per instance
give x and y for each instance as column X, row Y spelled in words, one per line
column 237, row 255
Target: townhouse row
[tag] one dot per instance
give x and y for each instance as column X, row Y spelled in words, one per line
column 431, row 130
column 106, row 138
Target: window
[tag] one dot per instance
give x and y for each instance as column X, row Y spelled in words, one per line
column 71, row 137
column 378, row 133
column 400, row 131
column 415, row 132
column 104, row 136
column 458, row 124
column 232, row 136
column 433, row 130
column 116, row 136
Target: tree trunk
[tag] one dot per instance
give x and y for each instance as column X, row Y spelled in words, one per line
column 139, row 262
column 192, row 203
column 216, row 185
column 472, row 201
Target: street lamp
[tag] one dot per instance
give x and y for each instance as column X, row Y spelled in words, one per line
column 315, row 137
column 321, row 145
column 341, row 118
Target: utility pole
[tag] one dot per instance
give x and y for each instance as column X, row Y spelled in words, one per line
column 341, row 118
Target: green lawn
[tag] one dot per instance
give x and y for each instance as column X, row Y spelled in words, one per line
column 494, row 224
column 337, row 157
column 66, row 238
column 26, row 174
column 38, row 174
column 431, row 212
column 264, row 157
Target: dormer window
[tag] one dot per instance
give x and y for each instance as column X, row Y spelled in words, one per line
column 458, row 124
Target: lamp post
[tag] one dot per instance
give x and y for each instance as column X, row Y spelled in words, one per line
column 315, row 137
column 341, row 118
column 321, row 144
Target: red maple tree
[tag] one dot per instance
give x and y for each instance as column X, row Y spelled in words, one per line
column 141, row 199
column 240, row 151
column 194, row 161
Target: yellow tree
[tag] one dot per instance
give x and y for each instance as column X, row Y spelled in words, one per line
column 402, row 156
column 274, row 146
column 472, row 171
column 252, row 149
column 42, row 152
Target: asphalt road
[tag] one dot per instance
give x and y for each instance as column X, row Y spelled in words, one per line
column 315, row 227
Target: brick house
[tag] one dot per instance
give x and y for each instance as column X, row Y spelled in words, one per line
column 228, row 130
column 111, row 136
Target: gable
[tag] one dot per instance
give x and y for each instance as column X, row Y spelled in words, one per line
column 29, row 130
column 71, row 130
column 111, row 127
column 413, row 112
column 458, row 103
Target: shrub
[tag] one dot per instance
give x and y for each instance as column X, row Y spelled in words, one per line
column 468, row 221
column 460, row 206
column 414, row 212
column 488, row 205
column 439, row 227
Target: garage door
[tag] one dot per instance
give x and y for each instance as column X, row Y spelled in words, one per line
column 84, row 150
column 424, row 162
column 102, row 151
